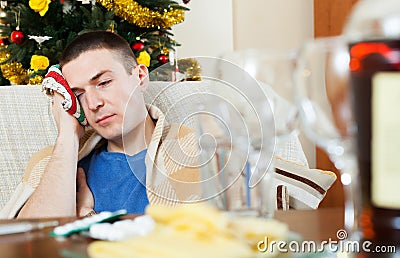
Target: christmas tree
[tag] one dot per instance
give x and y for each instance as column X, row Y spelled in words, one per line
column 34, row 32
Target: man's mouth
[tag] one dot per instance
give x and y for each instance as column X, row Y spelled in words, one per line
column 104, row 119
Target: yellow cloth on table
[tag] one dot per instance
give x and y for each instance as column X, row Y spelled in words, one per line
column 195, row 230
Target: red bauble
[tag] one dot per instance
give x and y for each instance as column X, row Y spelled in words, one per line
column 163, row 59
column 17, row 37
column 4, row 42
column 137, row 46
column 186, row 1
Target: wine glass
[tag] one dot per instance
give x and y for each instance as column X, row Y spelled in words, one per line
column 323, row 99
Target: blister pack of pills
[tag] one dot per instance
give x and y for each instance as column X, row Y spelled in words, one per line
column 123, row 229
column 85, row 223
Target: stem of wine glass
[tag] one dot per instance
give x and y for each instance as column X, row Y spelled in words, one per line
column 347, row 164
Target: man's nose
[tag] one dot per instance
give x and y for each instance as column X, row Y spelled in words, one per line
column 94, row 100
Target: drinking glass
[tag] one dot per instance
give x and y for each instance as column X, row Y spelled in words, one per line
column 323, row 99
column 224, row 152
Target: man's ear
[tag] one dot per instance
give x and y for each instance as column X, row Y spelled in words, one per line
column 143, row 74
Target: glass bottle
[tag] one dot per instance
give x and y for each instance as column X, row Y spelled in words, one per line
column 373, row 33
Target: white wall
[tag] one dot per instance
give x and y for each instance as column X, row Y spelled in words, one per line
column 213, row 27
column 272, row 23
column 207, row 29
column 277, row 24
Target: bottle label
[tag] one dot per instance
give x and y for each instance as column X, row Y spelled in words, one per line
column 385, row 174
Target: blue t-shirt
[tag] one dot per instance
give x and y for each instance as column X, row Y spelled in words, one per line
column 115, row 182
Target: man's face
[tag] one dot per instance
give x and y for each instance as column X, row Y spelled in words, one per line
column 104, row 89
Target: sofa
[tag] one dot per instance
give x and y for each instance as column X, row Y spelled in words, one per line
column 27, row 125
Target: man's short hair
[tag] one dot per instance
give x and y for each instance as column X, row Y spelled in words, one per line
column 100, row 40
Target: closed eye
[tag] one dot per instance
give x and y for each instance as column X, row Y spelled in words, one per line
column 78, row 93
column 104, row 83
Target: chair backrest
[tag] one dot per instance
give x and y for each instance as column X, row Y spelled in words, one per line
column 27, row 124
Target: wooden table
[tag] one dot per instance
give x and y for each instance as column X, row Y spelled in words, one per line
column 320, row 224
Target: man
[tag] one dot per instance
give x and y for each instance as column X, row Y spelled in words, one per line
column 102, row 71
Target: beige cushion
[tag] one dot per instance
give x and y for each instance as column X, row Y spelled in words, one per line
column 26, row 126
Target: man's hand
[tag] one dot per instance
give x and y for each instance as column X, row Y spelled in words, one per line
column 56, row 193
column 84, row 197
column 66, row 123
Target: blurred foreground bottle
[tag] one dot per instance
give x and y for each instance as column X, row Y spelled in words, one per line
column 373, row 33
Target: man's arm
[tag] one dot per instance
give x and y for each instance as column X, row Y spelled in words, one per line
column 55, row 195
column 84, row 198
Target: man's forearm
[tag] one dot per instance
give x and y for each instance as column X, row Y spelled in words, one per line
column 55, row 195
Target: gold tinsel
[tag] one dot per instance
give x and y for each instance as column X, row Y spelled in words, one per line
column 14, row 72
column 191, row 68
column 143, row 16
column 4, row 55
column 37, row 80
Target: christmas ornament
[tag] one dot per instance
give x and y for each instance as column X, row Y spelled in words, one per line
column 4, row 26
column 144, row 58
column 137, row 46
column 40, row 6
column 39, row 39
column 173, row 61
column 17, row 37
column 39, row 62
column 162, row 59
column 4, row 42
column 186, row 1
